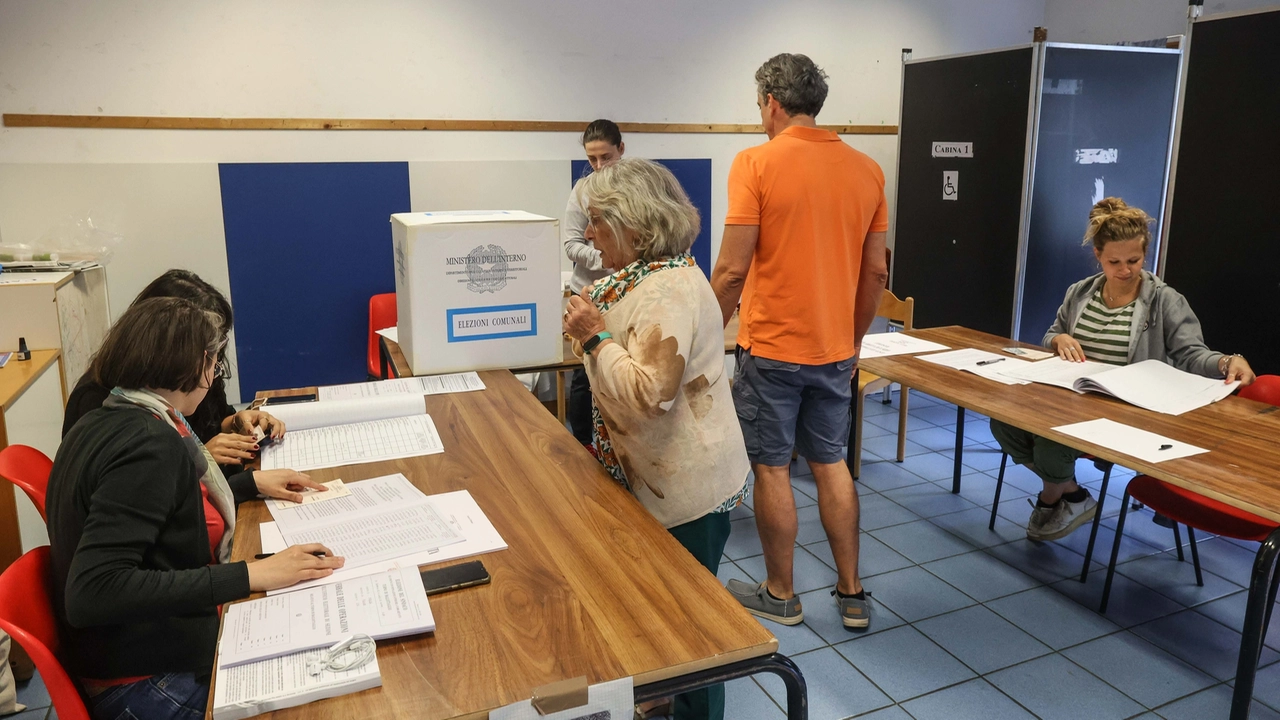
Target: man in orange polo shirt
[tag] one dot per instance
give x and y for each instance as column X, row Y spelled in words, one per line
column 804, row 249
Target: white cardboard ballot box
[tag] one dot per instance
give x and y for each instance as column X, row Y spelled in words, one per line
column 477, row 290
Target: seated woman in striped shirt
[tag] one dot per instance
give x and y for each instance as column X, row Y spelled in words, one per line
column 1122, row 315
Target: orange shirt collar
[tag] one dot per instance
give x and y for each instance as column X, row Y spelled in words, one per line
column 800, row 132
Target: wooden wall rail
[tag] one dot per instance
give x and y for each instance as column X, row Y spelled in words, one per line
column 195, row 123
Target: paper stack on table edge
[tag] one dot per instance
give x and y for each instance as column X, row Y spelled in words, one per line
column 1130, row 440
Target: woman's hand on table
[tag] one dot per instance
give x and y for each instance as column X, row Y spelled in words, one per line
column 231, row 449
column 1068, row 348
column 285, row 484
column 581, row 319
column 292, row 566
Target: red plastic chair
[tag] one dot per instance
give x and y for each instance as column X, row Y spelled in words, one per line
column 26, row 613
column 1197, row 511
column 382, row 315
column 28, row 468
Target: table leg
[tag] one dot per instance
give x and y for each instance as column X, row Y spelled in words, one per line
column 778, row 664
column 1256, row 613
column 560, row 404
column 955, row 477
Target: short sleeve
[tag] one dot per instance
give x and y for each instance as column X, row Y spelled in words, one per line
column 880, row 220
column 744, row 192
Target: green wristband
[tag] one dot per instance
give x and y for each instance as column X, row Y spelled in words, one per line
column 594, row 341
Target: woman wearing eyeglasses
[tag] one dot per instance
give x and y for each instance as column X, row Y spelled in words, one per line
column 227, row 435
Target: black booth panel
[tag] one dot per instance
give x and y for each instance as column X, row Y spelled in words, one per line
column 1223, row 250
column 958, row 258
column 1092, row 99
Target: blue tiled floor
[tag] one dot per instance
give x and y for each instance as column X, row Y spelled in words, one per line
column 974, row 623
column 33, row 694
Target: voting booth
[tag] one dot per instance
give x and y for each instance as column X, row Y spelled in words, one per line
column 477, row 290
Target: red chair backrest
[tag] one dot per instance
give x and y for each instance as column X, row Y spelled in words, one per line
column 382, row 315
column 28, row 468
column 26, row 613
column 1265, row 389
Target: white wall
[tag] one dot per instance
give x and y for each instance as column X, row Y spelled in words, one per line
column 632, row 60
column 1112, row 21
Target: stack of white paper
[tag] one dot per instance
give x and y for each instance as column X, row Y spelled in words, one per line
column 383, row 605
column 1149, row 384
column 877, row 345
column 344, row 432
column 1130, row 440
column 1058, row 372
column 283, row 682
column 426, row 385
column 458, row 509
column 981, row 363
column 382, row 519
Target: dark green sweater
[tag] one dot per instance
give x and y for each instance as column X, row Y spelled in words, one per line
column 132, row 583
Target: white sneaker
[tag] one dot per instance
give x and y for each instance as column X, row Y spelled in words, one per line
column 1039, row 516
column 1066, row 517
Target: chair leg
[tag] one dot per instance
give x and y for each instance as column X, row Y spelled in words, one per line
column 857, row 440
column 886, row 396
column 1271, row 605
column 1195, row 555
column 1097, row 519
column 902, row 423
column 995, row 502
column 1115, row 552
column 1177, row 540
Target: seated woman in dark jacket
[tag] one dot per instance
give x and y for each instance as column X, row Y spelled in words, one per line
column 140, row 522
column 1122, row 315
column 226, row 433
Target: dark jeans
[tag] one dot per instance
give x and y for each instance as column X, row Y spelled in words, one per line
column 705, row 539
column 579, row 411
column 176, row 696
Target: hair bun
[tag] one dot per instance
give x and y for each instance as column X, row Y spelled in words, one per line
column 1107, row 206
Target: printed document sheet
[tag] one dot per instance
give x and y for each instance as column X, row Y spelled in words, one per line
column 981, row 363
column 336, row 490
column 894, row 343
column 361, row 442
column 1130, row 440
column 267, row 685
column 458, row 509
column 1058, row 372
column 427, row 385
column 384, row 605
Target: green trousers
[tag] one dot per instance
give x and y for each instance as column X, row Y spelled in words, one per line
column 705, row 539
column 1053, row 462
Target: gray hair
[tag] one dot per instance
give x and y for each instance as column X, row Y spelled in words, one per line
column 798, row 85
column 644, row 197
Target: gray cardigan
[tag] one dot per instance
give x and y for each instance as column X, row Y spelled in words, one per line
column 1164, row 327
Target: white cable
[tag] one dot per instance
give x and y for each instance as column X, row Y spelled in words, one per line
column 351, row 653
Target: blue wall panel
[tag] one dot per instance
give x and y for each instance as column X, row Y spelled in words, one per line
column 307, row 245
column 695, row 176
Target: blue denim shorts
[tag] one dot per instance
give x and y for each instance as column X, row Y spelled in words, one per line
column 783, row 405
column 175, row 696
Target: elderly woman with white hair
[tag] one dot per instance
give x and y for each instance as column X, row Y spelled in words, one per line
column 652, row 341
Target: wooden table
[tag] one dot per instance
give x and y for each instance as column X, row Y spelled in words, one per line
column 591, row 584
column 1241, row 469
column 16, row 378
column 392, row 357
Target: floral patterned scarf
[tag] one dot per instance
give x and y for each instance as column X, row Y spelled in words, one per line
column 607, row 292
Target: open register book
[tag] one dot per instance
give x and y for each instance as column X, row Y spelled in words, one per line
column 1149, row 384
column 341, row 432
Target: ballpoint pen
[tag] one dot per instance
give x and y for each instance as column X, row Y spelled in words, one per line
column 989, row 362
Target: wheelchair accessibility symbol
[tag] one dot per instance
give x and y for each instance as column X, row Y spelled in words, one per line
column 950, row 183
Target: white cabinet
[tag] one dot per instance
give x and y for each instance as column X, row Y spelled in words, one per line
column 65, row 311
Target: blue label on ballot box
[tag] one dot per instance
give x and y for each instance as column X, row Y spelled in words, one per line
column 492, row 323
